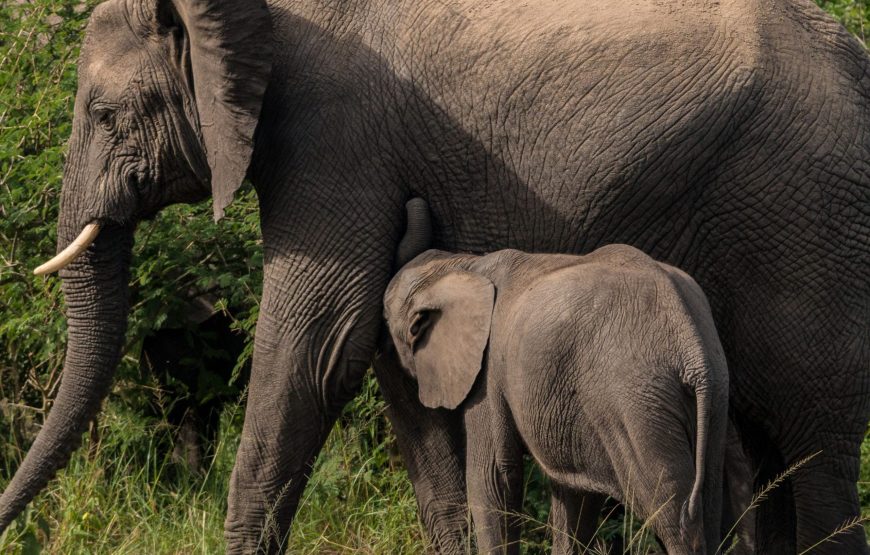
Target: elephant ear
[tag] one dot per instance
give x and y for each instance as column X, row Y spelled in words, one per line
column 448, row 354
column 228, row 58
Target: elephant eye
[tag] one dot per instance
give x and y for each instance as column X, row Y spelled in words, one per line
column 419, row 324
column 105, row 118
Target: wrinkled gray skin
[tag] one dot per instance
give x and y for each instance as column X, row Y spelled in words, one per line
column 606, row 367
column 730, row 139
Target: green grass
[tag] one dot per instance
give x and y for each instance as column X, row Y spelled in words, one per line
column 119, row 496
column 119, row 493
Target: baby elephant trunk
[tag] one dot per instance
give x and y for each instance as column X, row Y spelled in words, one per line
column 418, row 233
column 701, row 512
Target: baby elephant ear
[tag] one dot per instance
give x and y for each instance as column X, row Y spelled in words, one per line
column 450, row 355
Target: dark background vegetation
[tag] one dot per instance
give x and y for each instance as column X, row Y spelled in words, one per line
column 124, row 493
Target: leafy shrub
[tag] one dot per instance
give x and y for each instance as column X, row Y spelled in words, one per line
column 853, row 14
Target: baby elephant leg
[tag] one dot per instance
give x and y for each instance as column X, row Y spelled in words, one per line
column 573, row 520
column 494, row 477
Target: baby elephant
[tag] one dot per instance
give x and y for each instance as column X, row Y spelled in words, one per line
column 606, row 368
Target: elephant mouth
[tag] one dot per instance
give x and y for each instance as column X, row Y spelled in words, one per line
column 65, row 257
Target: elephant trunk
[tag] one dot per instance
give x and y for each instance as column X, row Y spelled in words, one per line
column 418, row 234
column 95, row 290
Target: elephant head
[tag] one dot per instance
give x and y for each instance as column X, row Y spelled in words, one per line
column 439, row 317
column 168, row 99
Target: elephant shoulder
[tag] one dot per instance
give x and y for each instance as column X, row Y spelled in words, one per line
column 593, row 284
column 620, row 258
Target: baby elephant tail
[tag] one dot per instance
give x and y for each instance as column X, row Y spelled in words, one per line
column 692, row 514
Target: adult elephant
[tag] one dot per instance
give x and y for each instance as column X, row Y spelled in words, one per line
column 730, row 138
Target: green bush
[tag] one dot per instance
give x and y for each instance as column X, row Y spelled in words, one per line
column 853, row 14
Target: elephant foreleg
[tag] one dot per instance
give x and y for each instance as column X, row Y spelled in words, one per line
column 494, row 475
column 432, row 447
column 291, row 407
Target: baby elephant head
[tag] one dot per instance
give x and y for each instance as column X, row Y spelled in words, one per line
column 439, row 318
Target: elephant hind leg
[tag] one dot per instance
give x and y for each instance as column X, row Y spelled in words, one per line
column 573, row 520
column 817, row 498
column 828, row 527
column 738, row 524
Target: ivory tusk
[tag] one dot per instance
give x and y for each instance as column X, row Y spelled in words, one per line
column 67, row 255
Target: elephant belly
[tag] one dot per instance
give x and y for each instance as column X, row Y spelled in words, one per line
column 568, row 448
column 578, row 130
